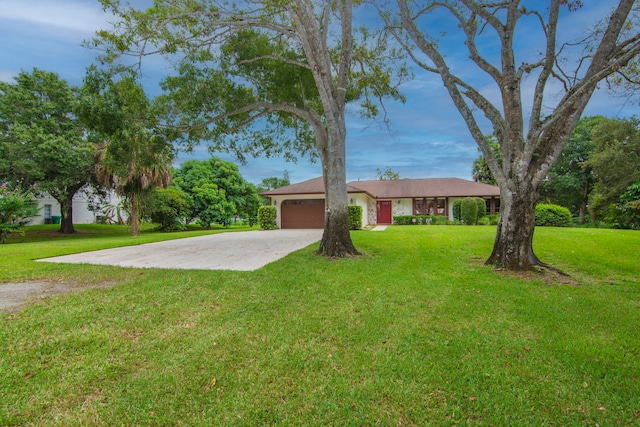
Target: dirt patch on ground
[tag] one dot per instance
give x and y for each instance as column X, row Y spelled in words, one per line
column 13, row 296
column 550, row 277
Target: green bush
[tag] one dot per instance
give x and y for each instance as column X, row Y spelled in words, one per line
column 628, row 211
column 417, row 219
column 16, row 209
column 168, row 207
column 469, row 211
column 482, row 207
column 552, row 215
column 457, row 209
column 493, row 219
column 355, row 217
column 267, row 217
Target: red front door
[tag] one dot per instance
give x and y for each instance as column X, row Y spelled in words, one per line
column 384, row 212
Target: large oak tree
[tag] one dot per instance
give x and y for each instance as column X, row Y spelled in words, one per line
column 284, row 66
column 42, row 140
column 563, row 78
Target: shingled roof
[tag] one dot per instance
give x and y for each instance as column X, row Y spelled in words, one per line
column 312, row 186
column 398, row 188
column 426, row 187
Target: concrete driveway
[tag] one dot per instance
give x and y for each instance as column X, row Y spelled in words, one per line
column 243, row 251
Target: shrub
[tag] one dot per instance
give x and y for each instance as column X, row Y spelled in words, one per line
column 16, row 208
column 469, row 211
column 628, row 211
column 552, row 216
column 355, row 217
column 417, row 219
column 168, row 207
column 493, row 219
column 482, row 207
column 267, row 217
column 457, row 205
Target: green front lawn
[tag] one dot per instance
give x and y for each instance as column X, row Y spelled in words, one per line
column 415, row 332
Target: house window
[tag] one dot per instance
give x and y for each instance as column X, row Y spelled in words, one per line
column 426, row 206
column 418, row 206
column 46, row 210
column 493, row 205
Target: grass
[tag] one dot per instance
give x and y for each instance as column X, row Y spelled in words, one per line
column 416, row 332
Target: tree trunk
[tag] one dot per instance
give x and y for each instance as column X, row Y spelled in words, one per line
column 66, row 212
column 336, row 239
column 584, row 202
column 135, row 220
column 513, row 246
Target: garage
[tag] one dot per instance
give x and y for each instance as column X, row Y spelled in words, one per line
column 302, row 213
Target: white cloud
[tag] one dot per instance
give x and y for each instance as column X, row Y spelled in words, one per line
column 78, row 16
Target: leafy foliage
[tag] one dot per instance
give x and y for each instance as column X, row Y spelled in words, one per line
column 267, row 217
column 469, row 211
column 168, row 207
column 355, row 217
column 551, row 215
column 615, row 159
column 264, row 78
column 481, row 171
column 387, row 175
column 16, row 208
column 571, row 179
column 415, row 220
column 457, row 209
column 629, row 208
column 42, row 141
column 133, row 157
column 482, row 207
column 217, row 191
column 272, row 183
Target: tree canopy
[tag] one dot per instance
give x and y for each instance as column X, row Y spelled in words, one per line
column 265, row 77
column 387, row 175
column 43, row 142
column 271, row 183
column 480, row 170
column 133, row 157
column 571, row 178
column 217, row 191
column 615, row 162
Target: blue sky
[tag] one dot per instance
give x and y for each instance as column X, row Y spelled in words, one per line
column 426, row 137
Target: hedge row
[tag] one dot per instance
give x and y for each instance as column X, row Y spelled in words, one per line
column 421, row 220
column 469, row 210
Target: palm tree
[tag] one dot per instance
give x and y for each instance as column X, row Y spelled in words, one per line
column 133, row 158
column 132, row 164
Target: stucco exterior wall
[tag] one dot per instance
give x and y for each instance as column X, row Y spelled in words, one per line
column 362, row 200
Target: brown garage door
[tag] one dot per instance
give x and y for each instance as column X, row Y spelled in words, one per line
column 302, row 213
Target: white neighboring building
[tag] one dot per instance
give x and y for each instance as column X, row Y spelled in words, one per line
column 49, row 209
